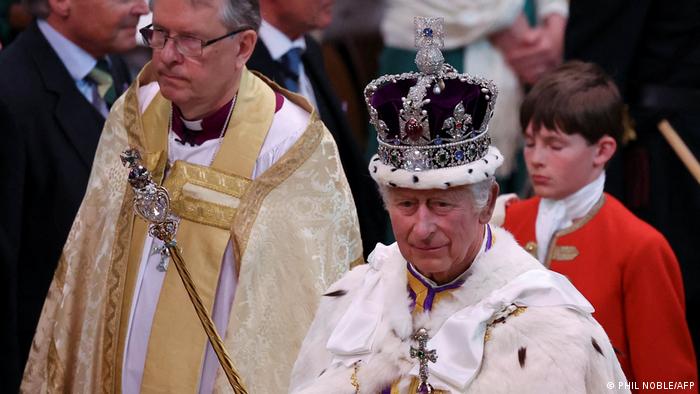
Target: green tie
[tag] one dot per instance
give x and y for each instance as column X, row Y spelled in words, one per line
column 101, row 76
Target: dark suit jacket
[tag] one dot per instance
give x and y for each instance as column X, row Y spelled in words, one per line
column 49, row 135
column 637, row 41
column 367, row 201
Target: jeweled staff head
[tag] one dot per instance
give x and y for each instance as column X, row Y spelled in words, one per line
column 151, row 202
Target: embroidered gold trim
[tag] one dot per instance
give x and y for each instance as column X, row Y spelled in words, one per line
column 54, row 367
column 200, row 211
column 250, row 121
column 564, row 253
column 270, row 179
column 577, row 225
column 131, row 114
column 516, row 312
column 202, row 193
column 183, row 172
column 113, row 333
column 54, row 370
column 113, row 350
column 353, row 378
column 204, row 212
column 296, row 98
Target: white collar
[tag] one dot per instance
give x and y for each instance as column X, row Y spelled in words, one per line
column 554, row 215
column 78, row 62
column 195, row 125
column 278, row 43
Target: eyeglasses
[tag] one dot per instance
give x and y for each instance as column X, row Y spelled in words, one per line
column 186, row 45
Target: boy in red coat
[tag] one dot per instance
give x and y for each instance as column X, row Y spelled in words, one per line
column 573, row 120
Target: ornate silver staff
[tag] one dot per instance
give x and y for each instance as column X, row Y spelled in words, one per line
column 152, row 203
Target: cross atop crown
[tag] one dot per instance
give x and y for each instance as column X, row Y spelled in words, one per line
column 429, row 39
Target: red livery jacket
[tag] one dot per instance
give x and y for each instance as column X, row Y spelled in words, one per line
column 629, row 273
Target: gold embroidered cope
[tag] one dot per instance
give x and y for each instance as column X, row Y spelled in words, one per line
column 301, row 205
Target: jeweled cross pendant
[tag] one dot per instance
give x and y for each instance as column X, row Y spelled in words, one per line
column 424, row 356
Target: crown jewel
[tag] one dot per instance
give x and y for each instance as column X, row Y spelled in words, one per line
column 433, row 118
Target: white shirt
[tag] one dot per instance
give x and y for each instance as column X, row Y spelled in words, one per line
column 554, row 215
column 78, row 62
column 278, row 44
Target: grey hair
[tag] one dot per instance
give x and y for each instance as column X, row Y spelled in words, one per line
column 38, row 8
column 234, row 13
column 480, row 192
column 239, row 13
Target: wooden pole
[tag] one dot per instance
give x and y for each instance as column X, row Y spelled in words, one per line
column 681, row 149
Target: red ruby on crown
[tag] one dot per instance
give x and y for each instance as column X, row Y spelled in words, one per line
column 413, row 129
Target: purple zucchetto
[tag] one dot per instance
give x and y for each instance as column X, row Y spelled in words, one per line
column 432, row 125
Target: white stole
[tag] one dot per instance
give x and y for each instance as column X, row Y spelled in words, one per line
column 460, row 340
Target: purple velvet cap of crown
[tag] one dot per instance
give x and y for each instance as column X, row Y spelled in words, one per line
column 387, row 100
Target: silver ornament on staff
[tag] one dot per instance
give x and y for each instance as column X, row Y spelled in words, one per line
column 152, row 203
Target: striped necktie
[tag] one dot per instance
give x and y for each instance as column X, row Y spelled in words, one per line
column 102, row 77
column 292, row 64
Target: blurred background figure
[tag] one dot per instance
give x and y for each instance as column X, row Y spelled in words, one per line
column 287, row 54
column 14, row 18
column 652, row 51
column 57, row 82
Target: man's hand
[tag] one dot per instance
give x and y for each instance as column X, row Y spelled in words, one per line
column 540, row 51
column 532, row 52
column 508, row 40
